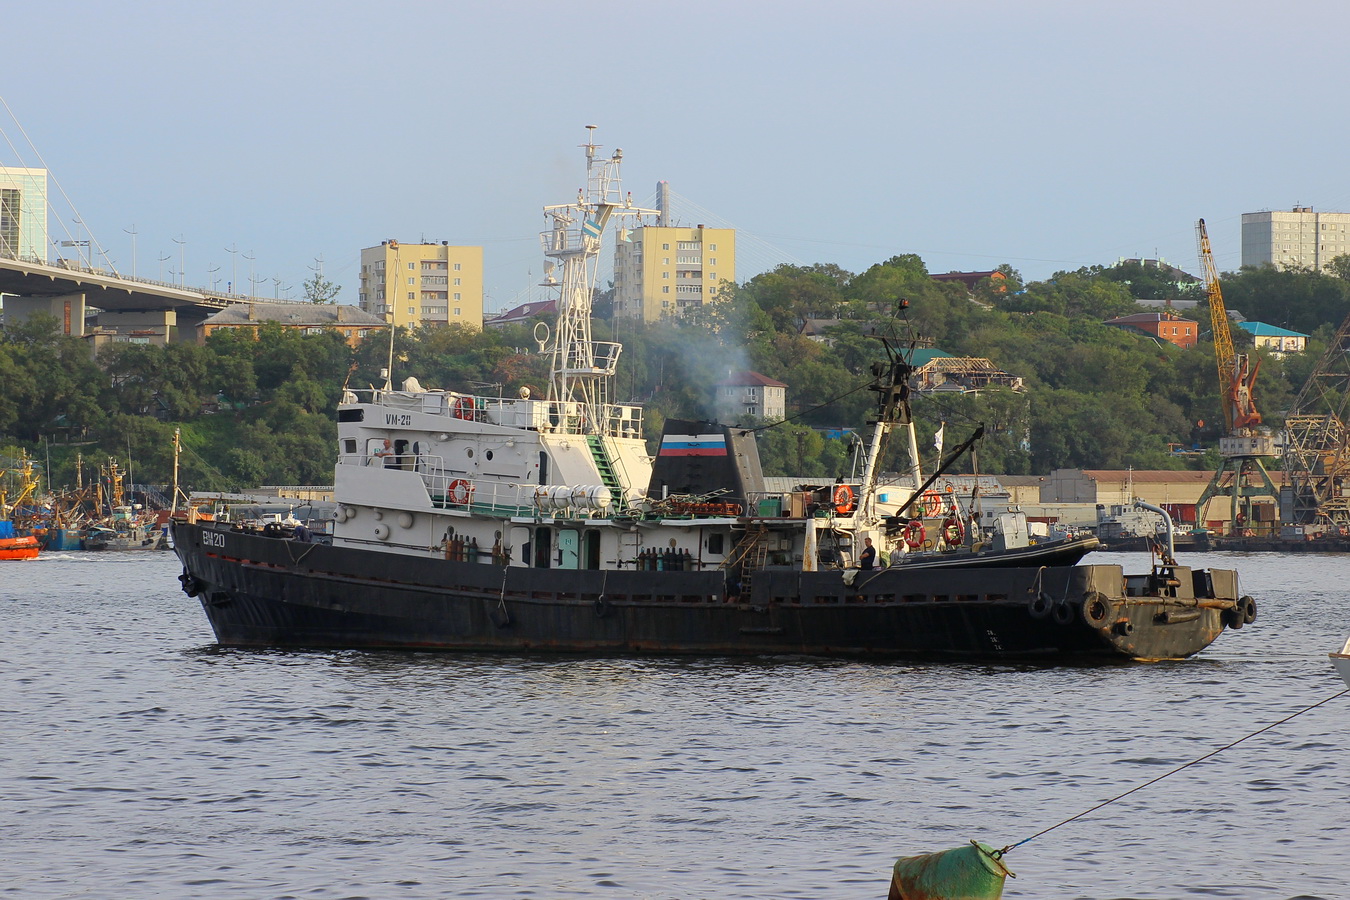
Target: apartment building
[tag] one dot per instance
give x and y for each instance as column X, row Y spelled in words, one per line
column 1294, row 238
column 662, row 270
column 423, row 284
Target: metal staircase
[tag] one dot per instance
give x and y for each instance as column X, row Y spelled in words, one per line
column 607, row 474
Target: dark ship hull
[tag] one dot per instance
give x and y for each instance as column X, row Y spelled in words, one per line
column 261, row 591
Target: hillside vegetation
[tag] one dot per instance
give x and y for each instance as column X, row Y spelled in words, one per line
column 261, row 411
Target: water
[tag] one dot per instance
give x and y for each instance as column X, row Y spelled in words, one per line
column 140, row 761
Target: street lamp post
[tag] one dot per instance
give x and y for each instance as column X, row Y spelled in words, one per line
column 182, row 269
column 233, row 249
column 162, row 260
column 214, row 281
column 132, row 231
column 251, row 257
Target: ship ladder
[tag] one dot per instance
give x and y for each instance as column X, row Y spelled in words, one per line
column 750, row 554
column 606, row 469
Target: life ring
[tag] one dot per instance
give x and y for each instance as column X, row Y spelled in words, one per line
column 464, row 408
column 843, row 499
column 1098, row 609
column 459, row 492
column 915, row 534
column 953, row 531
column 932, row 503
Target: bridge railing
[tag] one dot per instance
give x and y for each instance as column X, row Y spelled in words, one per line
column 73, row 266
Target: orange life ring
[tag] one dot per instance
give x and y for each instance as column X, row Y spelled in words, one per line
column 953, row 531
column 915, row 534
column 932, row 503
column 464, row 408
column 459, row 492
column 843, row 499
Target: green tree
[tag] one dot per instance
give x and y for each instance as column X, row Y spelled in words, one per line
column 320, row 290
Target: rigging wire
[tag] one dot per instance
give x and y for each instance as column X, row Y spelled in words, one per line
column 1000, row 853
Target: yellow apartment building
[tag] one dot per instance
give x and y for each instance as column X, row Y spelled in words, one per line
column 663, row 270
column 423, row 284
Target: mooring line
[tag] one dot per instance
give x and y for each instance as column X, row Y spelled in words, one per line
column 1010, row 847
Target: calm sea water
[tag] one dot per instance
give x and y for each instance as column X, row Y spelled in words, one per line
column 141, row 761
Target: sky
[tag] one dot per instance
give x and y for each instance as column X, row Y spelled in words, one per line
column 1042, row 134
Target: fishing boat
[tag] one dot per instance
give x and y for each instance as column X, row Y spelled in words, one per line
column 1341, row 661
column 526, row 523
column 17, row 546
column 17, row 540
column 126, row 525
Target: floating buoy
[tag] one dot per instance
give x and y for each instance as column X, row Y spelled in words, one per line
column 974, row 872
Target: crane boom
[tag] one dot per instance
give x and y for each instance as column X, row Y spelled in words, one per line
column 1225, row 356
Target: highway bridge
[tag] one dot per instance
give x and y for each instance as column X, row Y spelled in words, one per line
column 105, row 305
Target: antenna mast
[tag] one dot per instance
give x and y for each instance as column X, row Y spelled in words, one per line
column 582, row 366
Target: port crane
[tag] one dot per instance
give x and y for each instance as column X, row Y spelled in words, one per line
column 1317, row 442
column 1245, row 444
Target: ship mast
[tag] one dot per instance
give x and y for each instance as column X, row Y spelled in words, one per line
column 582, row 367
column 891, row 384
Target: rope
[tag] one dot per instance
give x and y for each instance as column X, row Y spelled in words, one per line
column 1000, row 853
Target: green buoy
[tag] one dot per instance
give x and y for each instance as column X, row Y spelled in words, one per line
column 975, row 872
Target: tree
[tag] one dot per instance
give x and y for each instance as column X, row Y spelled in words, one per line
column 320, row 290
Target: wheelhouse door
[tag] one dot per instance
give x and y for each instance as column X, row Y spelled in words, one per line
column 569, row 546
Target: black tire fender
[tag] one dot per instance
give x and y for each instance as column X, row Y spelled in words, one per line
column 1064, row 614
column 1248, row 606
column 1098, row 610
column 1041, row 605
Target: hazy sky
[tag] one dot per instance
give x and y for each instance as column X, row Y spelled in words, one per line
column 1045, row 135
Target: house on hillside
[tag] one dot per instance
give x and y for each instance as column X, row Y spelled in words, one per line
column 750, row 394
column 938, row 371
column 1277, row 340
column 524, row 314
column 969, row 280
column 1167, row 326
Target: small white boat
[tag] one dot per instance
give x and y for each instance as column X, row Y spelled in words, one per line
column 1341, row 661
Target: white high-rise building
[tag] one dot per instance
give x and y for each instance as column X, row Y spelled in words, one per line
column 1294, row 238
column 23, row 213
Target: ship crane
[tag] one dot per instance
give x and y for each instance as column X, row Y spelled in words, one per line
column 1241, row 475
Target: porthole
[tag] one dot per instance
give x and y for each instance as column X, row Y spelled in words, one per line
column 488, row 455
column 470, row 452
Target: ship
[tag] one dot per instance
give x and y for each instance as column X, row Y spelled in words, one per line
column 125, row 525
column 546, row 524
column 18, row 539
